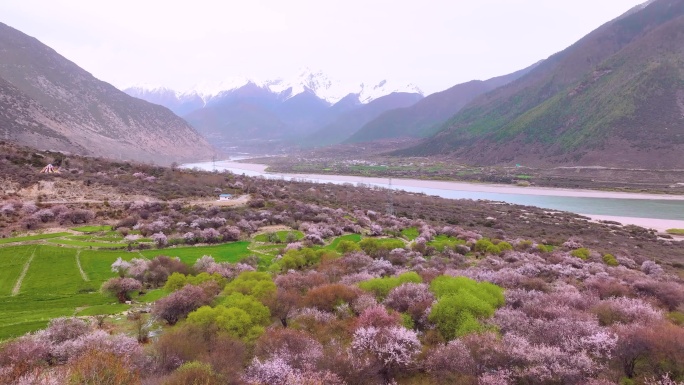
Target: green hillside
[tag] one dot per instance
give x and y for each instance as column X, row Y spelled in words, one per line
column 616, row 97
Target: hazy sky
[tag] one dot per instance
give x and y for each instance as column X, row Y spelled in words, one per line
column 433, row 44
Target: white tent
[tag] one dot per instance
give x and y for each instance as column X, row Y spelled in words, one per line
column 49, row 169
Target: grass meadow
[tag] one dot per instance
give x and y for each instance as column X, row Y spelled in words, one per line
column 53, row 285
column 54, row 275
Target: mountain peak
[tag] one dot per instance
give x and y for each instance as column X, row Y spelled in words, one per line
column 307, row 80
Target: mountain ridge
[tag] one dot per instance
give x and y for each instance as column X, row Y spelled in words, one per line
column 593, row 103
column 48, row 100
column 420, row 119
column 307, row 81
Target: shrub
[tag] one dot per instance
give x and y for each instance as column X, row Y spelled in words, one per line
column 377, row 316
column 177, row 280
column 581, row 253
column 191, row 342
column 160, row 239
column 121, row 288
column 391, row 349
column 327, row 297
column 159, row 269
column 382, row 286
column 485, row 245
column 348, row 246
column 609, row 259
column 236, row 322
column 462, row 303
column 676, row 317
column 180, row 303
column 296, row 347
column 545, row 248
column 411, row 299
column 257, row 284
column 101, row 367
column 675, row 231
column 64, row 329
column 258, row 313
column 447, row 363
column 194, row 373
column 297, row 259
column 377, row 248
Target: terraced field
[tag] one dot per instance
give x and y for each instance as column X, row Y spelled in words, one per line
column 52, row 275
column 43, row 277
column 40, row 282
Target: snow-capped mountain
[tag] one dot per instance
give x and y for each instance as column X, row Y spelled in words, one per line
column 244, row 109
column 326, row 88
column 332, row 90
column 178, row 102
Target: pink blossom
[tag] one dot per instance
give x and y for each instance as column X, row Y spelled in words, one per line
column 315, row 314
column 651, row 268
column 376, row 230
column 407, row 295
column 391, row 347
column 273, row 371
column 498, row 377
column 160, row 239
column 120, row 267
column 453, row 357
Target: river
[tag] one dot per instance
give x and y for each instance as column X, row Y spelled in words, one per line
column 656, row 211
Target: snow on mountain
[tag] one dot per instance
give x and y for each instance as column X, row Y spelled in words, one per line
column 333, row 90
column 326, row 88
column 208, row 90
column 330, row 90
column 371, row 92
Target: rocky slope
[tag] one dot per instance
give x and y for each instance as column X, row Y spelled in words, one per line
column 614, row 98
column 47, row 101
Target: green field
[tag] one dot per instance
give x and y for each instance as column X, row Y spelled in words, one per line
column 282, row 235
column 349, row 237
column 44, row 280
column 32, row 238
column 98, row 245
column 442, row 241
column 11, row 266
column 92, row 229
column 53, row 285
column 410, row 233
column 227, row 252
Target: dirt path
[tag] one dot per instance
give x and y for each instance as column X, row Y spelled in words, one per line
column 235, row 202
column 17, row 286
column 238, row 201
column 258, row 252
column 78, row 263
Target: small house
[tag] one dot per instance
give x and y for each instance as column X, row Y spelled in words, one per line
column 225, row 197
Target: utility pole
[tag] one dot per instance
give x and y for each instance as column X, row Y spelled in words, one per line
column 390, row 199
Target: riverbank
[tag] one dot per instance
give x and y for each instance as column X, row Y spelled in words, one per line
column 371, row 164
column 660, row 225
column 445, row 185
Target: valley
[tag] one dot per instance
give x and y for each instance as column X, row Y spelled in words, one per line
column 524, row 228
column 120, row 274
